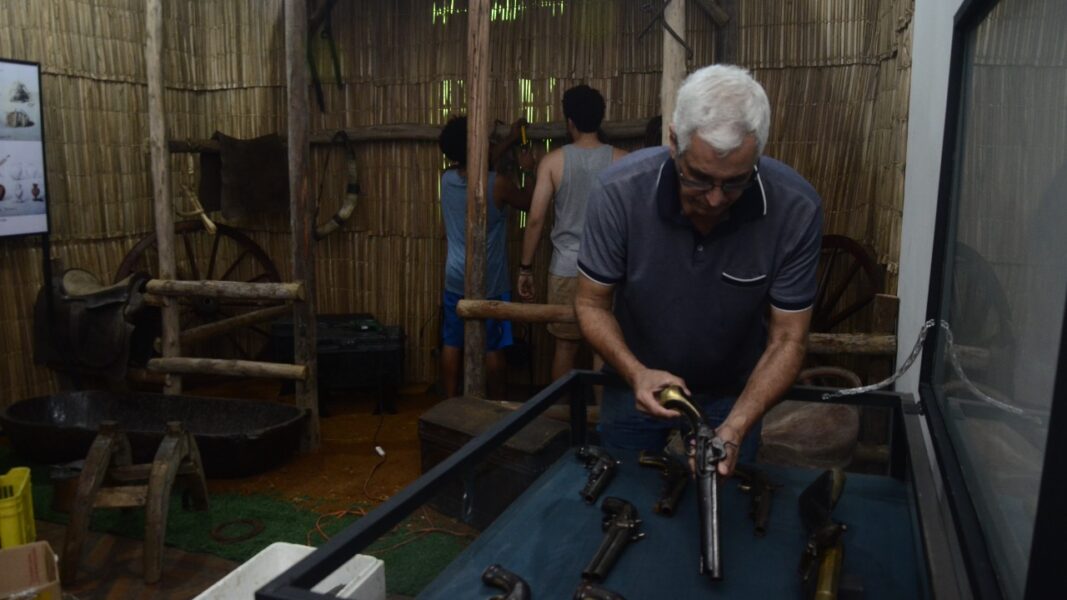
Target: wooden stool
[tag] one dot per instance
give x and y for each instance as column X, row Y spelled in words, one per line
column 110, row 480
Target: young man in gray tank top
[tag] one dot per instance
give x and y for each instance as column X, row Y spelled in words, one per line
column 564, row 178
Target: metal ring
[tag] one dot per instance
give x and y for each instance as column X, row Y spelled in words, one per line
column 255, row 527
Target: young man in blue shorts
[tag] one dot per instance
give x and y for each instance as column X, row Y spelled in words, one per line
column 503, row 192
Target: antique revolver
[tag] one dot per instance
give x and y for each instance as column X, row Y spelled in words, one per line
column 601, row 467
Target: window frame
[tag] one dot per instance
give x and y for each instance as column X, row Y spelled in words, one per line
column 1043, row 571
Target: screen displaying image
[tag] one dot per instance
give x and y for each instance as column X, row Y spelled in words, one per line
column 23, row 197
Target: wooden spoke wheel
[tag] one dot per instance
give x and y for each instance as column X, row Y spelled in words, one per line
column 228, row 255
column 849, row 279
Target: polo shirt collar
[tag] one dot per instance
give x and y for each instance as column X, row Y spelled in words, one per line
column 751, row 205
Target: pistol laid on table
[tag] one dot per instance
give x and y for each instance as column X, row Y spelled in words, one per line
column 601, row 467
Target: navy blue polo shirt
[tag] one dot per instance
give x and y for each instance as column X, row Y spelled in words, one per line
column 696, row 305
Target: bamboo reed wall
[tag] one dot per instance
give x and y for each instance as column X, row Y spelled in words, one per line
column 837, row 73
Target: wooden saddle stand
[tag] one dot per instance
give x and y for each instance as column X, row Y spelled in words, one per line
column 110, row 480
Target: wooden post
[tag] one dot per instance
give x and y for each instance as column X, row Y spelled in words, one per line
column 474, row 379
column 164, row 212
column 726, row 38
column 300, row 211
column 673, row 63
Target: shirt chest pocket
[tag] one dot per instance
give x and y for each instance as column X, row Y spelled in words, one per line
column 744, row 279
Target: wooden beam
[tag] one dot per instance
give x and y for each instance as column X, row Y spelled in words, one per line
column 674, row 68
column 301, row 210
column 210, row 330
column 227, row 289
column 852, row 343
column 230, row 367
column 818, row 343
column 515, row 311
column 401, row 132
column 478, row 119
column 728, row 35
column 161, row 200
column 716, row 12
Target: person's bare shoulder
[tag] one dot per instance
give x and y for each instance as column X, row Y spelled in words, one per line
column 552, row 165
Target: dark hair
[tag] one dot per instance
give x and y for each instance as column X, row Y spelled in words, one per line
column 453, row 140
column 654, row 132
column 585, row 106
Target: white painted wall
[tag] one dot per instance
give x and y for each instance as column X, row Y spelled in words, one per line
column 931, row 49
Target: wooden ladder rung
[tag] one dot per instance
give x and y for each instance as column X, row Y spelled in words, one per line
column 141, row 472
column 121, row 496
column 227, row 289
column 235, row 368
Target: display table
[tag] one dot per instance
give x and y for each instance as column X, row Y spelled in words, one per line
column 549, row 534
column 897, row 544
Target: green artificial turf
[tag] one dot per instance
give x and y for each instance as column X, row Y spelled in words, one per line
column 409, row 566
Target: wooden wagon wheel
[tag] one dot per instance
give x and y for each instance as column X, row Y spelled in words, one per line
column 227, row 256
column 849, row 279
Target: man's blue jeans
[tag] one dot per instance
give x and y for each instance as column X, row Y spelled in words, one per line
column 623, row 427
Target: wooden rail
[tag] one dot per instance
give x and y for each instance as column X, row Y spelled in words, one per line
column 227, row 289
column 235, row 368
column 818, row 343
column 556, row 130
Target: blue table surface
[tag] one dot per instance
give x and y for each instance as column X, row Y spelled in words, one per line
column 548, row 535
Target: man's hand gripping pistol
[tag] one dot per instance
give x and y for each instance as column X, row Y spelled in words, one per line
column 709, row 450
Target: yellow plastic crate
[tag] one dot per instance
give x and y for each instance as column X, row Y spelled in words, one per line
column 16, row 509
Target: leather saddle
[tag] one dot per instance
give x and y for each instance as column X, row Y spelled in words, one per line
column 89, row 326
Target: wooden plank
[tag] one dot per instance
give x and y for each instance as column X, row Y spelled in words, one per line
column 674, row 68
column 235, row 368
column 884, row 311
column 478, row 119
column 160, row 159
column 301, row 210
column 228, row 289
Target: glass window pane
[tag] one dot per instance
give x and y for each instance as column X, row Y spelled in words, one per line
column 1006, row 277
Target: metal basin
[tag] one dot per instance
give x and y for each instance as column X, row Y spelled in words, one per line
column 236, row 437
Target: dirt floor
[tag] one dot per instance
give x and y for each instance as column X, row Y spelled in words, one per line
column 346, row 470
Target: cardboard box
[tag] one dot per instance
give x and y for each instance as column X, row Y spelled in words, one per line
column 29, row 571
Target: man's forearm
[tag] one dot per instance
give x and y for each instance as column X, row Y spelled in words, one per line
column 602, row 331
column 531, row 237
column 774, row 374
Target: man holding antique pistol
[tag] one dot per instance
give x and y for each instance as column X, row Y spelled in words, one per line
column 698, row 267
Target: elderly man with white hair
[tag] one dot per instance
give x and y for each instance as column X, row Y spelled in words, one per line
column 697, row 266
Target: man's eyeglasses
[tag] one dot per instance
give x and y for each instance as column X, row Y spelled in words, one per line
column 731, row 186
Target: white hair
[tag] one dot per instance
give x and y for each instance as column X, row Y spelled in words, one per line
column 722, row 104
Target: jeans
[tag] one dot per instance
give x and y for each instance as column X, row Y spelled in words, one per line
column 623, row 427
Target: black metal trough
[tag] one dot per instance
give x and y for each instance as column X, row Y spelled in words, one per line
column 236, row 437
